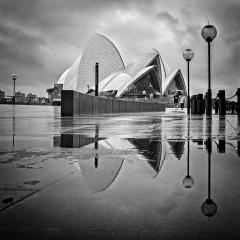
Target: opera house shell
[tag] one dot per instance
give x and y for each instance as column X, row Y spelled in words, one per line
column 148, row 74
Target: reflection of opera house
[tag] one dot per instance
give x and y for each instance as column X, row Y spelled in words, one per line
column 147, row 75
column 101, row 170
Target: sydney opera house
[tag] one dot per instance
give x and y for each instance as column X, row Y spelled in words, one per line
column 148, row 74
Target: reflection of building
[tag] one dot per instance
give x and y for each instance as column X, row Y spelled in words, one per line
column 148, row 74
column 152, row 150
column 100, row 171
column 177, row 148
column 97, row 177
column 73, row 140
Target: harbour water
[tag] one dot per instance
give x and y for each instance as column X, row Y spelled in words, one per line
column 122, row 176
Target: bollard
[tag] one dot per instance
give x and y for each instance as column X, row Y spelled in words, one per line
column 232, row 107
column 216, row 106
column 227, row 107
column 222, row 103
column 238, row 148
column 200, row 104
column 238, row 102
column 221, row 145
column 204, row 104
column 193, row 104
column 209, row 103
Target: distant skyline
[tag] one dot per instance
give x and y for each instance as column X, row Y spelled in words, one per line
column 39, row 39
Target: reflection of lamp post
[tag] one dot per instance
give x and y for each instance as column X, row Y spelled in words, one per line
column 188, row 181
column 96, row 145
column 208, row 33
column 209, row 207
column 188, row 55
column 13, row 126
column 14, row 77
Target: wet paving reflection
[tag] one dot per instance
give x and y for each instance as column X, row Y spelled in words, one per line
column 100, row 172
column 123, row 172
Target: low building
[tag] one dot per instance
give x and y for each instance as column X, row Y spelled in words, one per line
column 54, row 94
column 31, row 97
column 42, row 100
column 2, row 94
column 50, row 94
column 19, row 97
column 57, row 94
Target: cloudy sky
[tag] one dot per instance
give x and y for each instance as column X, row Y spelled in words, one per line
column 39, row 39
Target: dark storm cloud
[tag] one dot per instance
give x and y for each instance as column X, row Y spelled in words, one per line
column 19, row 47
column 25, row 30
column 41, row 38
column 165, row 16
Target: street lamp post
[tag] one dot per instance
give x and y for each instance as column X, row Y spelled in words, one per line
column 209, row 32
column 188, row 55
column 14, row 77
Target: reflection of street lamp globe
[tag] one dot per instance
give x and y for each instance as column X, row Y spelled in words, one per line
column 208, row 33
column 188, row 181
column 188, row 54
column 14, row 76
column 209, row 208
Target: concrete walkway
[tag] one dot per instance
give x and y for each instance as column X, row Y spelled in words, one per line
column 116, row 176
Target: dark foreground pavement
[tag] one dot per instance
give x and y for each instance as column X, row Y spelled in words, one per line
column 117, row 176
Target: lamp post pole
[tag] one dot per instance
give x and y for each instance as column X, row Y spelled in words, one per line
column 209, row 95
column 14, row 77
column 96, row 78
column 188, row 55
column 188, row 97
column 209, row 32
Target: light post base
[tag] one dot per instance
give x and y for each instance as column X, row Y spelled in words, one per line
column 188, row 104
column 209, row 103
column 14, row 91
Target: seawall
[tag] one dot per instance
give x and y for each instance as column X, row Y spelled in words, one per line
column 74, row 103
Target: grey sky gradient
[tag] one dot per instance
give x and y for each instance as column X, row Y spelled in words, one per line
column 39, row 39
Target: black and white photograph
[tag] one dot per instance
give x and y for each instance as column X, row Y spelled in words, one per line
column 119, row 119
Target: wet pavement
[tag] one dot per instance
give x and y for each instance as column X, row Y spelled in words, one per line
column 122, row 176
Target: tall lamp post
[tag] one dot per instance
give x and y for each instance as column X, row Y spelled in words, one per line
column 209, row 32
column 188, row 55
column 14, row 77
